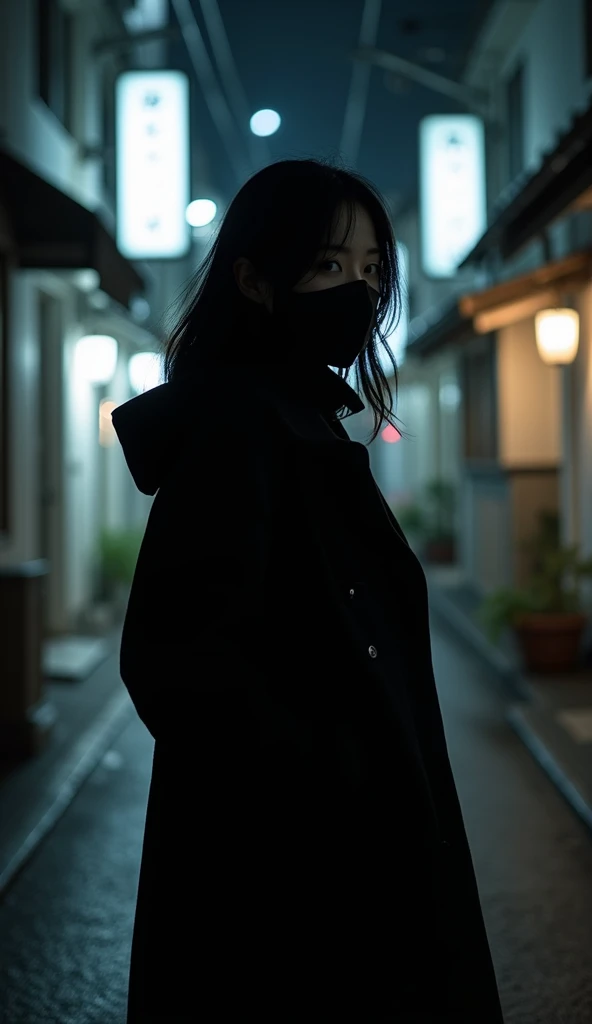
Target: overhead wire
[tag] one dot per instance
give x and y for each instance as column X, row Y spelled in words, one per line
column 230, row 78
column 213, row 94
column 355, row 111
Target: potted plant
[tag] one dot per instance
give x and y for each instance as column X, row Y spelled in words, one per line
column 431, row 521
column 118, row 554
column 440, row 540
column 411, row 519
column 547, row 615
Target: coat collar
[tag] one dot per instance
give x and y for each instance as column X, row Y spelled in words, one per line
column 317, row 388
column 307, row 400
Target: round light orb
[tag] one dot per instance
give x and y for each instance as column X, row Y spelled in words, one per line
column 145, row 371
column 265, row 122
column 139, row 308
column 390, row 434
column 201, row 212
column 96, row 357
column 87, row 279
column 557, row 335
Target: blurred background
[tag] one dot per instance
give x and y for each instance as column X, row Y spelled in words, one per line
column 125, row 130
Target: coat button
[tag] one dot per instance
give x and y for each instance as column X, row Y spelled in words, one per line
column 372, row 651
column 352, row 592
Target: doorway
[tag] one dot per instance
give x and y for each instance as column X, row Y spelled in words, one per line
column 50, row 465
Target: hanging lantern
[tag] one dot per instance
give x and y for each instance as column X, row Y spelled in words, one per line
column 557, row 335
column 96, row 358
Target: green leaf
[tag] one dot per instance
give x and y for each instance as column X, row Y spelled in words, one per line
column 118, row 554
column 553, row 585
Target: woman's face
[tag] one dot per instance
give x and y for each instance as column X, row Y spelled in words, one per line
column 357, row 260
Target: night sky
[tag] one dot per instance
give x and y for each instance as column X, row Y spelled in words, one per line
column 295, row 57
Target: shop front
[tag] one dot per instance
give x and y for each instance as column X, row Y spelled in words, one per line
column 522, row 347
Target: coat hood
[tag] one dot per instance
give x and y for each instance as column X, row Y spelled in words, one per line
column 149, row 428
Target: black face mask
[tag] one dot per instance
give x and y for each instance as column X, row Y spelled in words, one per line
column 329, row 326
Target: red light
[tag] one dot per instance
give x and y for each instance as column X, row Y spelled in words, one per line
column 390, row 434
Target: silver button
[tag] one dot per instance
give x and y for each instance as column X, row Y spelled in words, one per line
column 372, row 651
column 352, row 592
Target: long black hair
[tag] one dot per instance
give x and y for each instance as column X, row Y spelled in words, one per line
column 280, row 220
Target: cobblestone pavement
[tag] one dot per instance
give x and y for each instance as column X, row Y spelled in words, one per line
column 66, row 923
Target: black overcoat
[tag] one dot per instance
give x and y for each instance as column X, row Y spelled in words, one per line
column 305, row 857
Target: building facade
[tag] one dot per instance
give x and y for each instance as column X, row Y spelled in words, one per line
column 61, row 481
column 513, row 434
column 63, row 478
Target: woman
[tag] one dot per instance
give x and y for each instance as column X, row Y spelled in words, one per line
column 304, row 857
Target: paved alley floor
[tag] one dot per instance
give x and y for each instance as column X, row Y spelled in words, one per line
column 66, row 922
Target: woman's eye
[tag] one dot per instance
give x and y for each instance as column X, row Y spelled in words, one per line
column 377, row 267
column 330, row 263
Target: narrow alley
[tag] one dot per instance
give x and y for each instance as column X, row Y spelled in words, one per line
column 66, row 922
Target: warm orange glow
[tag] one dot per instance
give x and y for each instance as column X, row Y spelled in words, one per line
column 107, row 435
column 390, row 434
column 512, row 312
column 557, row 335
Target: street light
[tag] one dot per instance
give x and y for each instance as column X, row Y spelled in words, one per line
column 557, row 335
column 201, row 212
column 96, row 358
column 265, row 122
column 145, row 371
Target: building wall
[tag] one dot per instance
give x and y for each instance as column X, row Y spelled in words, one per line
column 552, row 46
column 94, row 487
column 430, row 412
column 30, row 128
column 23, row 426
column 529, row 417
column 547, row 423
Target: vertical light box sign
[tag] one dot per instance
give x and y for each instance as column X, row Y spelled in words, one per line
column 152, row 146
column 452, row 190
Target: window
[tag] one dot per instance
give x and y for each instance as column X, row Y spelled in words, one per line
column 515, row 122
column 479, row 391
column 54, row 46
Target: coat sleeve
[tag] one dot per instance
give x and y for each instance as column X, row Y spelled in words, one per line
column 194, row 628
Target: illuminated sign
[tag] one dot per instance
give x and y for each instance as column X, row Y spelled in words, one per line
column 152, row 140
column 452, row 190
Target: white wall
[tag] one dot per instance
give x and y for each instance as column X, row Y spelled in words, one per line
column 552, row 44
column 82, row 497
column 548, row 36
column 125, row 506
column 529, row 401
column 28, row 126
column 23, row 427
column 35, row 135
column 416, row 455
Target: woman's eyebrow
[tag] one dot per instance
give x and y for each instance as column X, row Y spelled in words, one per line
column 345, row 248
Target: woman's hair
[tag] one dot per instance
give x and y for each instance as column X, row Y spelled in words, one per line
column 280, row 220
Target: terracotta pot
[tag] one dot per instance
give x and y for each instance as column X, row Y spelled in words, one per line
column 550, row 642
column 440, row 552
